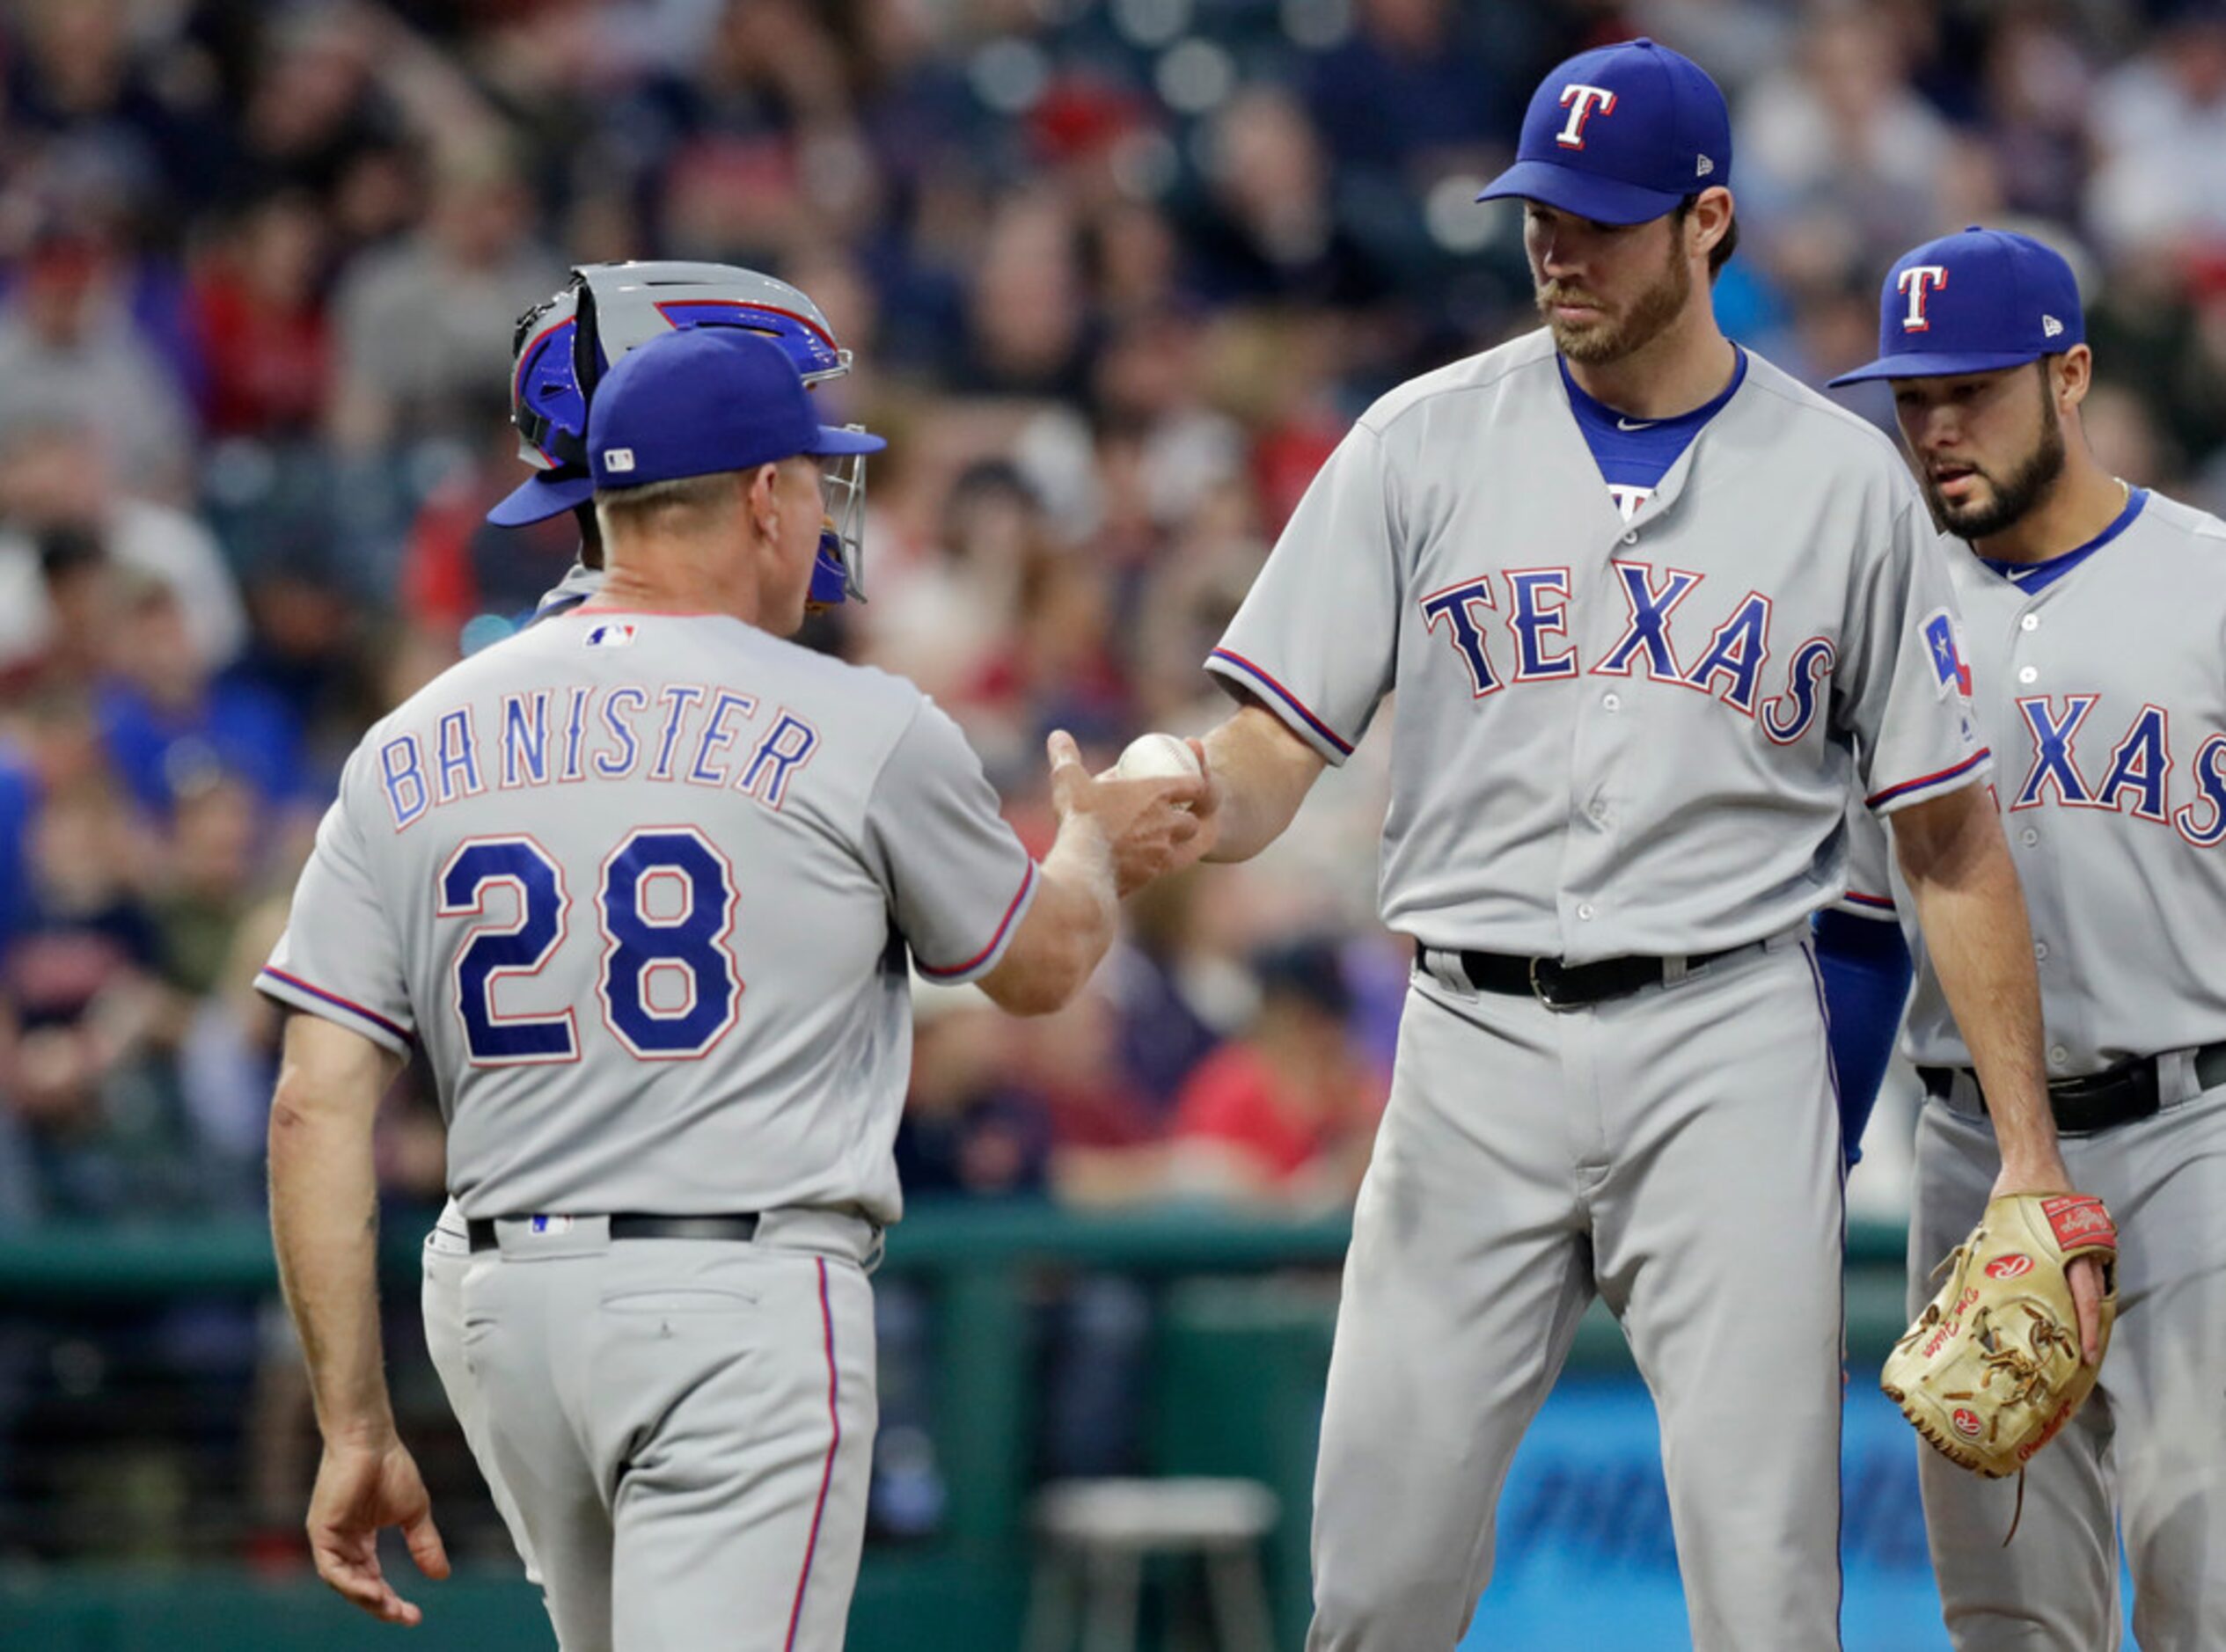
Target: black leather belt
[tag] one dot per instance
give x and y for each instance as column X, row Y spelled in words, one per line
column 2096, row 1100
column 1562, row 986
column 627, row 1224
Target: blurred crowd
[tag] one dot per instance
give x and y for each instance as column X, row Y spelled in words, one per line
column 1116, row 275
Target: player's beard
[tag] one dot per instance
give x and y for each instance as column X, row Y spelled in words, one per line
column 1612, row 338
column 2009, row 499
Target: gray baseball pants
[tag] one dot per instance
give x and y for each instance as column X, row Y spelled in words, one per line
column 686, row 1425
column 1675, row 1151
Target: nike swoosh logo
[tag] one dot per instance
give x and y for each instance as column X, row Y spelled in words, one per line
column 1625, row 424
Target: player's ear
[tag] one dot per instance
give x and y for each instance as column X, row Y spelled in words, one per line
column 1710, row 218
column 761, row 496
column 2070, row 376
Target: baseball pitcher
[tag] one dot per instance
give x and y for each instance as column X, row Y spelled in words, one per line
column 1650, row 606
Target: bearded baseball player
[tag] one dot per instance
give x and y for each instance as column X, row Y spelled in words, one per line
column 1650, row 606
column 563, row 347
column 2096, row 618
column 646, row 881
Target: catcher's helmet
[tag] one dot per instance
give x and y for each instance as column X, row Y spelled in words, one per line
column 564, row 344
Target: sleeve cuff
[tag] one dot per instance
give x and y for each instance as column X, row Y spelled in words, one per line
column 986, row 959
column 1228, row 663
column 296, row 993
column 1902, row 793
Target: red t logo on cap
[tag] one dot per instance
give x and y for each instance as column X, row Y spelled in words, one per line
column 1920, row 281
column 1581, row 101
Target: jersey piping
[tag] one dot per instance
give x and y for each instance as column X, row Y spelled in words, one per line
column 2038, row 577
column 1284, row 694
column 292, row 988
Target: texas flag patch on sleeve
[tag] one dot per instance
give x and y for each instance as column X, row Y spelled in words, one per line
column 1948, row 667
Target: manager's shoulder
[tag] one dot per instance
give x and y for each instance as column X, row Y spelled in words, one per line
column 1470, row 376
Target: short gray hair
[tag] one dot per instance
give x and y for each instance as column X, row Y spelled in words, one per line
column 655, row 504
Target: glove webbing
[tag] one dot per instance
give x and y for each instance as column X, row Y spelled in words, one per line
column 2023, row 1368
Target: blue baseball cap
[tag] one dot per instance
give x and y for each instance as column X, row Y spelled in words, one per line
column 1619, row 135
column 703, row 401
column 1973, row 303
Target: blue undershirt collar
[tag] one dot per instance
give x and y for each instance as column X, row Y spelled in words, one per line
column 2038, row 577
column 1634, row 454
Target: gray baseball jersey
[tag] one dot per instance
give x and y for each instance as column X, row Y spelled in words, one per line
column 1613, row 736
column 643, row 886
column 638, row 883
column 1616, row 735
column 2104, row 693
column 2104, row 698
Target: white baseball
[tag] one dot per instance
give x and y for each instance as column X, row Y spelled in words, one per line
column 1157, row 758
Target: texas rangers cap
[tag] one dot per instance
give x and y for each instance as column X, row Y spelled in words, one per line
column 1619, row 135
column 703, row 401
column 1972, row 303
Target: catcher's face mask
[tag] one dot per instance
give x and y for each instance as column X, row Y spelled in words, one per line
column 564, row 344
column 840, row 572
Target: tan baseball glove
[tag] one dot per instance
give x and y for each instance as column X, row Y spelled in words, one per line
column 1991, row 1369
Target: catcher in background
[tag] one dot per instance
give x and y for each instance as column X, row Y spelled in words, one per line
column 2097, row 618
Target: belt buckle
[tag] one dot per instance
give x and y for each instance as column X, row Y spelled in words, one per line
column 1542, row 989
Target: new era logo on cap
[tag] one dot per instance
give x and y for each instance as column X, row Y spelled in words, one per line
column 1702, row 167
column 619, row 461
column 2051, row 328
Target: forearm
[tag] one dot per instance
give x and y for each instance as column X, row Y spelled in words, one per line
column 1079, row 873
column 1069, row 925
column 1261, row 772
column 1973, row 914
column 324, row 1204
